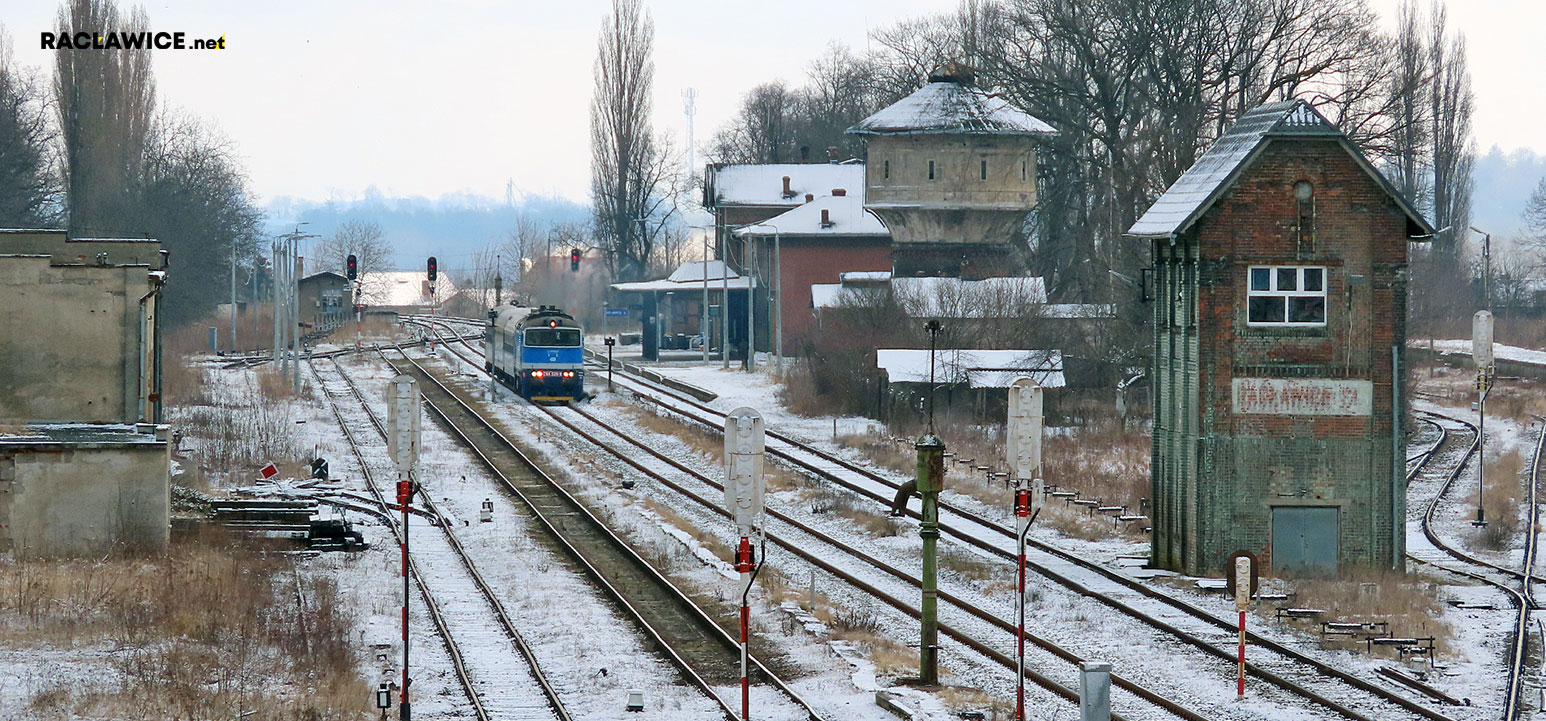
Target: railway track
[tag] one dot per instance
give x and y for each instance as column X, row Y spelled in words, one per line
column 491, row 660
column 800, row 541
column 1482, row 570
column 1084, row 577
column 706, row 654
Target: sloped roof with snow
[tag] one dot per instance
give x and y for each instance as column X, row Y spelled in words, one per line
column 763, row 185
column 1217, row 170
column 943, row 297
column 402, row 288
column 978, row 368
column 689, row 276
column 956, row 298
column 845, row 213
column 953, row 108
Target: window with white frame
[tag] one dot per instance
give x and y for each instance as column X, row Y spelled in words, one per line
column 1289, row 295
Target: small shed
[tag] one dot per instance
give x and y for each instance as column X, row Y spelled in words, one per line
column 968, row 379
column 326, row 299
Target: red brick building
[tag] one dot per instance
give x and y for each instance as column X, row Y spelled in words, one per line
column 814, row 243
column 1280, row 320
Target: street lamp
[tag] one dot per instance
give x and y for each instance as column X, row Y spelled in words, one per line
column 1486, row 267
column 703, row 316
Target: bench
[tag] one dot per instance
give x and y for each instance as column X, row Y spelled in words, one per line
column 1354, row 628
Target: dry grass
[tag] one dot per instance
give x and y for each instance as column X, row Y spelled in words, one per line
column 1410, row 604
column 964, row 698
column 1102, row 461
column 204, row 631
column 245, row 429
column 702, row 536
column 1500, row 499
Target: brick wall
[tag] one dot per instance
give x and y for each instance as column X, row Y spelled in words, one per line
column 1217, row 474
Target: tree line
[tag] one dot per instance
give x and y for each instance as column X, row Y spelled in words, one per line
column 1137, row 90
column 89, row 150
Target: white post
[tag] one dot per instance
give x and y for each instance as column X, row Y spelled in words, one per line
column 744, row 486
column 1023, row 432
column 1481, row 352
column 1094, row 691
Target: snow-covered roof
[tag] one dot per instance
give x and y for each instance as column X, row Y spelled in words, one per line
column 1079, row 310
column 865, row 276
column 402, row 288
column 332, row 273
column 1216, row 171
column 955, row 108
column 953, row 297
column 845, row 215
column 695, row 270
column 956, row 298
column 763, row 185
column 689, row 276
column 978, row 368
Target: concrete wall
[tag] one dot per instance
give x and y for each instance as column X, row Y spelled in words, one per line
column 1218, row 472
column 58, row 500
column 70, row 340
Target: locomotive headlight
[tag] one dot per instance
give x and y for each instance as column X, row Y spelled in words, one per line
column 536, row 374
column 568, row 374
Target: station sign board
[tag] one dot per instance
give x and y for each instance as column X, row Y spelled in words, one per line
column 1303, row 396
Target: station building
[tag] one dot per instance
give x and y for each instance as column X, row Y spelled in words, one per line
column 1280, row 285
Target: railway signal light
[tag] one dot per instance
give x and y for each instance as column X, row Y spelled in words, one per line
column 352, row 267
column 574, row 260
column 434, row 269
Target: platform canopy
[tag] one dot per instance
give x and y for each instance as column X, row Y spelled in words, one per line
column 689, row 276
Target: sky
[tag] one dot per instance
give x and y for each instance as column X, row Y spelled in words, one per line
column 329, row 99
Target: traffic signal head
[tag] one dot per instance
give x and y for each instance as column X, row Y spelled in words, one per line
column 434, row 269
column 574, row 259
column 353, row 267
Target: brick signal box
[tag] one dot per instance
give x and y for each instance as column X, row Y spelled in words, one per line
column 1279, row 293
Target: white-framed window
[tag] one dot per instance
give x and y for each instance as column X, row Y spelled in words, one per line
column 1286, row 295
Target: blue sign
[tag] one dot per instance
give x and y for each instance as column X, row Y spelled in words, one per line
column 617, row 312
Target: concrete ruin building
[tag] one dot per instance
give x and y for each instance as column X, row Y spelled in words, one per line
column 1280, row 285
column 951, row 171
column 84, row 463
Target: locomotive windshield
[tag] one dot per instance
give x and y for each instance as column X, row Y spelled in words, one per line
column 553, row 337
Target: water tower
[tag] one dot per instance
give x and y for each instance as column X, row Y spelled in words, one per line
column 951, row 171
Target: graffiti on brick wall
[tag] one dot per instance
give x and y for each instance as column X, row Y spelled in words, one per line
column 1303, row 396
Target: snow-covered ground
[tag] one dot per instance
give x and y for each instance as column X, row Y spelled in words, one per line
column 1528, row 356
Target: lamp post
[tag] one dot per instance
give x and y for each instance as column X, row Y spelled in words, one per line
column 930, row 475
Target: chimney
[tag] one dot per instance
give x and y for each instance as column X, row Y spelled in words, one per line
column 826, row 219
column 832, row 154
column 809, row 197
column 839, row 192
column 787, row 192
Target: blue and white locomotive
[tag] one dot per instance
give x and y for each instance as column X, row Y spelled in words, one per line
column 537, row 352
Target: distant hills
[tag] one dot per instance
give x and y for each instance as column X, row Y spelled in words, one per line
column 452, row 227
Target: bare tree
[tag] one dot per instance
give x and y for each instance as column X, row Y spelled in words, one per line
column 106, row 101
column 1450, row 103
column 363, row 239
column 29, row 189
column 1411, row 79
column 628, row 162
column 194, row 199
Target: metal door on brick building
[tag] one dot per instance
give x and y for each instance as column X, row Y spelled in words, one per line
column 1304, row 539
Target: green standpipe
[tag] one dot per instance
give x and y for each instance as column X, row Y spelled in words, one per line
column 931, row 478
